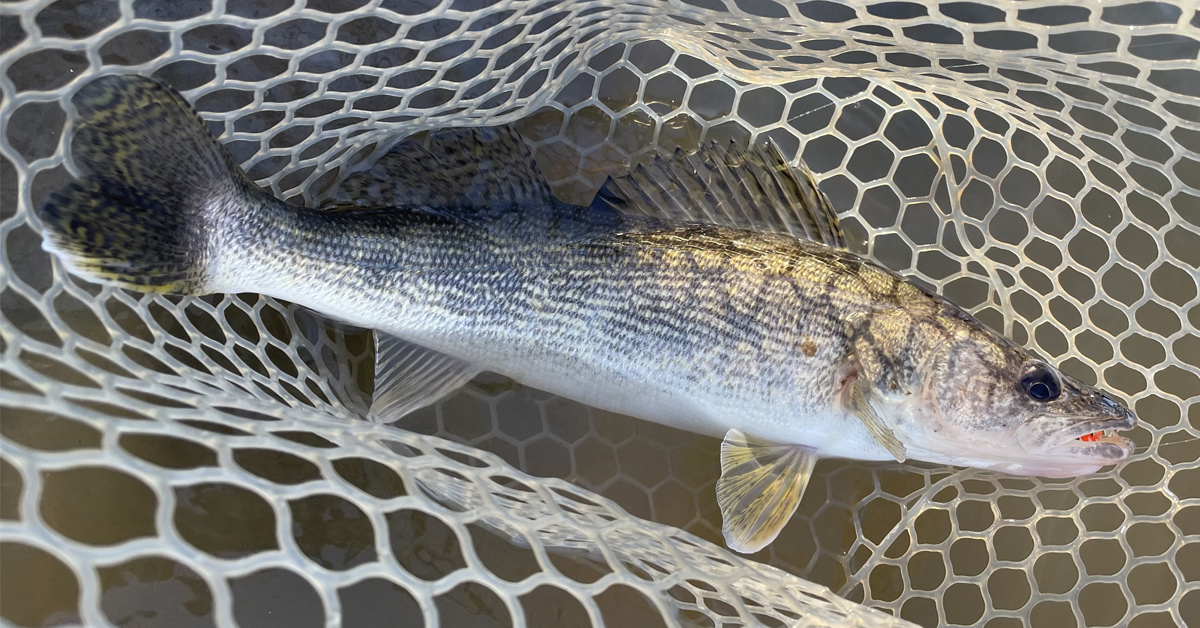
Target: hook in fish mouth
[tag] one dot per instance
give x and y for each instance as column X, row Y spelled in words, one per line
column 1094, row 440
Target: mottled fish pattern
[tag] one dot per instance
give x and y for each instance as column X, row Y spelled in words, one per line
column 708, row 291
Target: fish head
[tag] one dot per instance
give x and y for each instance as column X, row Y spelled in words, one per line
column 973, row 398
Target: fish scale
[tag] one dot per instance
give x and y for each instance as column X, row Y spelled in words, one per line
column 657, row 301
column 613, row 299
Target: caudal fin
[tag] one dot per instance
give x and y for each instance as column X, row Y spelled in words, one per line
column 141, row 217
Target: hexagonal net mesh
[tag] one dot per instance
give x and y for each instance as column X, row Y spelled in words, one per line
column 198, row 461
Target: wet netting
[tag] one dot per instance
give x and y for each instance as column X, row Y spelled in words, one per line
column 174, row 461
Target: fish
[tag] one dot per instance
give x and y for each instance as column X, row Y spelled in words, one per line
column 711, row 291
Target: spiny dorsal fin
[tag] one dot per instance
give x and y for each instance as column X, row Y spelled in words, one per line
column 409, row 377
column 760, row 487
column 473, row 167
column 751, row 189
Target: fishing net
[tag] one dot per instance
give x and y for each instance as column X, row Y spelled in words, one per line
column 200, row 461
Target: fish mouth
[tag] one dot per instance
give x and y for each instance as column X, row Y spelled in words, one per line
column 1095, row 440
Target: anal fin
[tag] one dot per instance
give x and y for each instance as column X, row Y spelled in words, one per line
column 760, row 487
column 409, row 377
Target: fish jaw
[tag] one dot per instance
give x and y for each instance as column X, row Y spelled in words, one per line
column 1085, row 444
column 1058, row 434
column 1059, row 449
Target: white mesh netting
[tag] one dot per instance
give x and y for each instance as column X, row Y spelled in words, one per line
column 191, row 462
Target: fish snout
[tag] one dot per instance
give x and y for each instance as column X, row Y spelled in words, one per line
column 1129, row 419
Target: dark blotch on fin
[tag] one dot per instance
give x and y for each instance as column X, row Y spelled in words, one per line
column 476, row 167
column 751, row 189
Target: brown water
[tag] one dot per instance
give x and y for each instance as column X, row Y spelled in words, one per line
column 934, row 545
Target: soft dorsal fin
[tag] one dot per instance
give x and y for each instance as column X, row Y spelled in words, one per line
column 473, row 167
column 751, row 189
column 409, row 377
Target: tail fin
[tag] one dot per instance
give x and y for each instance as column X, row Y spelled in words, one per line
column 139, row 217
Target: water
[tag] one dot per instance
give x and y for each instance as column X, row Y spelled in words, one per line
column 974, row 201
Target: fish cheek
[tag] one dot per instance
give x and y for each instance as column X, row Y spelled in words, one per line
column 1034, row 436
column 966, row 391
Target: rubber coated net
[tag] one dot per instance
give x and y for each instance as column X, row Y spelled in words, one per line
column 199, row 461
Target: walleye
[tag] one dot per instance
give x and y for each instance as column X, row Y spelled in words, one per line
column 711, row 292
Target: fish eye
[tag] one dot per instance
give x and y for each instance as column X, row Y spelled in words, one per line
column 1039, row 383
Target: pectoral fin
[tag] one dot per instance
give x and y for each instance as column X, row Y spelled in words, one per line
column 760, row 487
column 409, row 377
column 882, row 433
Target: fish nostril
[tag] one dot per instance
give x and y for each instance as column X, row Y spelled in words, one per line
column 1115, row 406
